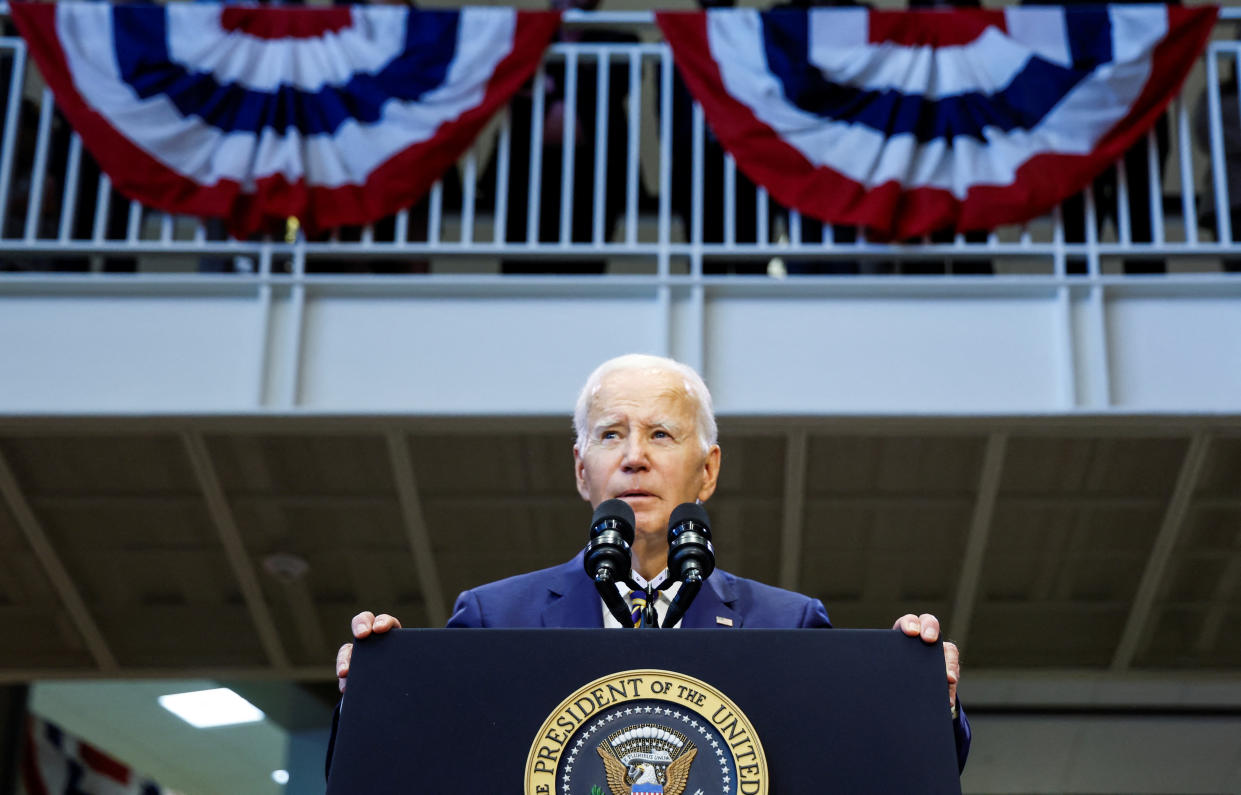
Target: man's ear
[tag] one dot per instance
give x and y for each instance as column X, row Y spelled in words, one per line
column 710, row 473
column 579, row 474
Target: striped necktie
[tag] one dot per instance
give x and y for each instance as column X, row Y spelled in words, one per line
column 642, row 606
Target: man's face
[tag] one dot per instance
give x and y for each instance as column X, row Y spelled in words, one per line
column 642, row 446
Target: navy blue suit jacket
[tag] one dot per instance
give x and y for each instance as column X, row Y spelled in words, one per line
column 564, row 597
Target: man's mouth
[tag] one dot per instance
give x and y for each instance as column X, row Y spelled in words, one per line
column 634, row 494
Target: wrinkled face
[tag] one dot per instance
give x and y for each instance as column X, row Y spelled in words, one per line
column 642, row 446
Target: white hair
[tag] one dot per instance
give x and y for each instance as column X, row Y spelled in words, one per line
column 695, row 387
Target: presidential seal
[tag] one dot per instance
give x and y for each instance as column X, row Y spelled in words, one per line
column 646, row 732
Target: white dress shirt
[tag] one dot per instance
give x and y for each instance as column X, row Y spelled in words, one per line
column 663, row 599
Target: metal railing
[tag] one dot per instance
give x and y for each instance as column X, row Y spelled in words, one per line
column 646, row 194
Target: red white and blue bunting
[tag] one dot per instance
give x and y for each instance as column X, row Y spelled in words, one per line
column 912, row 122
column 57, row 763
column 902, row 122
column 335, row 115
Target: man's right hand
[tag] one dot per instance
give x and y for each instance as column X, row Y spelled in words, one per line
column 363, row 625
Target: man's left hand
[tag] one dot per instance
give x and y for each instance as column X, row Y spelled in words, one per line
column 926, row 626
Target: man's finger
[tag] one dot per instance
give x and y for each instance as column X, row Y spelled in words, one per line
column 385, row 622
column 908, row 624
column 929, row 625
column 343, row 656
column 362, row 624
column 952, row 662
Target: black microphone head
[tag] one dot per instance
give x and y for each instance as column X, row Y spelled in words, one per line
column 606, row 557
column 690, row 511
column 621, row 519
column 690, row 554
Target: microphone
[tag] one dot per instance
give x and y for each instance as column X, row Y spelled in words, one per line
column 691, row 558
column 606, row 557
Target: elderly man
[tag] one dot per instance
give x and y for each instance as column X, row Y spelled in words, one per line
column 646, row 434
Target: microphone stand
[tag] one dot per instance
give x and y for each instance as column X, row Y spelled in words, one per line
column 689, row 589
column 650, row 617
column 606, row 587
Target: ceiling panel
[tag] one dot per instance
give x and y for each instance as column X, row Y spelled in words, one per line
column 339, row 464
column 1049, row 634
column 188, row 637
column 917, row 465
column 138, row 463
column 1221, row 474
column 751, row 467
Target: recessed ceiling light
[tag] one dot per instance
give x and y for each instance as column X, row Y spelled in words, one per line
column 206, row 708
column 281, row 777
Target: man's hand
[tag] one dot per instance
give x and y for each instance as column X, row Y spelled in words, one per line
column 926, row 626
column 363, row 625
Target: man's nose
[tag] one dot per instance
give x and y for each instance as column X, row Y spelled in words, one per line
column 635, row 454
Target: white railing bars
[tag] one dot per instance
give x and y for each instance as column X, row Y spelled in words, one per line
column 630, row 190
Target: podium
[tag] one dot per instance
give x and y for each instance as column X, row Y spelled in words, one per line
column 616, row 712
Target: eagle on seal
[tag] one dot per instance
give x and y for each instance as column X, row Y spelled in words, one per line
column 643, row 778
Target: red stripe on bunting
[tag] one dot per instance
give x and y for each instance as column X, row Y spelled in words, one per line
column 284, row 22
column 407, row 176
column 1042, row 176
column 933, row 27
column 133, row 172
column 32, row 777
column 898, row 213
column 400, row 182
column 103, row 764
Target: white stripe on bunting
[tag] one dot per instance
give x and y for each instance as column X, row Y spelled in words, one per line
column 870, row 158
column 199, row 151
column 197, row 41
column 986, row 64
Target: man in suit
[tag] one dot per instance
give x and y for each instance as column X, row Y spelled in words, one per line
column 646, row 434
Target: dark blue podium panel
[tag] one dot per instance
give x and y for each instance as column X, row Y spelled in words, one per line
column 476, row 710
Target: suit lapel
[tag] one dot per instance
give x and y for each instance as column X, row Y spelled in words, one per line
column 713, row 607
column 572, row 601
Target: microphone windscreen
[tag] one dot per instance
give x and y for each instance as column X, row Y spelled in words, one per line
column 615, row 509
column 689, row 510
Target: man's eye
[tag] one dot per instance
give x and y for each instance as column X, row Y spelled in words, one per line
column 609, row 435
column 662, row 435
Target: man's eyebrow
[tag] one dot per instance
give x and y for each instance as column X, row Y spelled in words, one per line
column 606, row 421
column 665, row 423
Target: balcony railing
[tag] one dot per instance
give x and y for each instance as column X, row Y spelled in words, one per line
column 644, row 194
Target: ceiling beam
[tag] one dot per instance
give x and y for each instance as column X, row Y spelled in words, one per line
column 793, row 522
column 234, row 548
column 416, row 531
column 54, row 568
column 1223, row 600
column 981, row 521
column 1135, row 633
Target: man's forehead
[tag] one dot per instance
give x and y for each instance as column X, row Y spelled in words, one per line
column 640, row 393
column 653, row 398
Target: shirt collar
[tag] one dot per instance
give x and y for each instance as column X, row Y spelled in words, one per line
column 655, row 582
